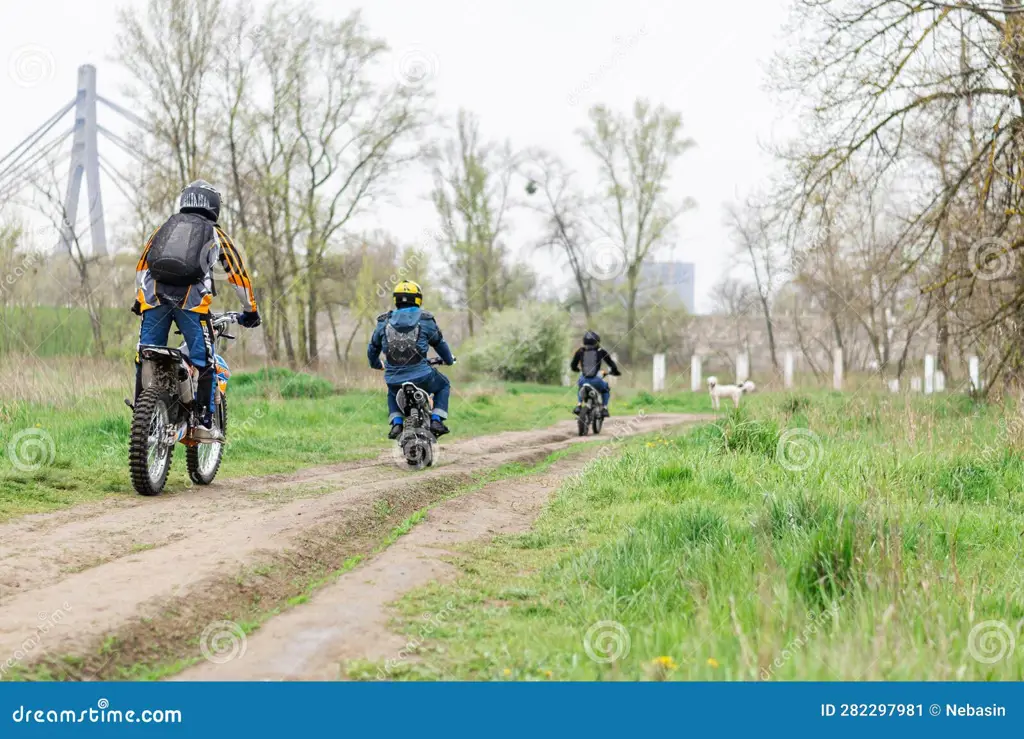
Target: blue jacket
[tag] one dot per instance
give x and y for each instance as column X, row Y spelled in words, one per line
column 430, row 336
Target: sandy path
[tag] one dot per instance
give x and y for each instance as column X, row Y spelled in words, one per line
column 104, row 566
column 349, row 619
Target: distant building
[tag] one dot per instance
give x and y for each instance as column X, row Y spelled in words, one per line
column 678, row 277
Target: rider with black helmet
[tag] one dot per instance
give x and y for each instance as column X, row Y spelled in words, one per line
column 173, row 283
column 587, row 361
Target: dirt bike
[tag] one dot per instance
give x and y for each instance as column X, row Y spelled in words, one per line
column 417, row 441
column 163, row 415
column 590, row 415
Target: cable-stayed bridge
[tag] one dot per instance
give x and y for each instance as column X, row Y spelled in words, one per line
column 54, row 143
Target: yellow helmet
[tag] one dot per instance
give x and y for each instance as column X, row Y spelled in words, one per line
column 409, row 293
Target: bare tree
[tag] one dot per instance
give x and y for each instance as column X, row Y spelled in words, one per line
column 472, row 180
column 563, row 207
column 635, row 155
column 763, row 253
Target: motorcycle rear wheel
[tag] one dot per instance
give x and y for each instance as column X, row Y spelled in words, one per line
column 149, row 456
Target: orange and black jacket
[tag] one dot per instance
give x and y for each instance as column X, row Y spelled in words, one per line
column 195, row 298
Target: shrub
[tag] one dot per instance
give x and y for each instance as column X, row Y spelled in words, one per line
column 523, row 345
column 826, row 568
column 742, row 435
column 280, row 381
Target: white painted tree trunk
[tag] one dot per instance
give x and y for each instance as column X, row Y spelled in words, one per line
column 695, row 373
column 894, row 385
column 742, row 367
column 940, row 381
column 915, row 384
column 975, row 370
column 837, row 369
column 659, row 373
column 929, row 374
column 787, row 370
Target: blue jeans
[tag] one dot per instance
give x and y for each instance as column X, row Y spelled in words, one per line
column 599, row 384
column 156, row 327
column 435, row 383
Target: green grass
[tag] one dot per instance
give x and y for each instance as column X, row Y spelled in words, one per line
column 280, row 421
column 869, row 553
column 46, row 331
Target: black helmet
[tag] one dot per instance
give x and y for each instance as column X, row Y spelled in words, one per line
column 200, row 197
column 591, row 338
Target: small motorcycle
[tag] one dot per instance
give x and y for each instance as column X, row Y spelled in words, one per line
column 163, row 414
column 417, row 441
column 590, row 416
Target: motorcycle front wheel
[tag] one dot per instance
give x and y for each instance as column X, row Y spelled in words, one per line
column 204, row 460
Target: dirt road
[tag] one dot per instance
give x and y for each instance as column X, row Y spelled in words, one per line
column 96, row 590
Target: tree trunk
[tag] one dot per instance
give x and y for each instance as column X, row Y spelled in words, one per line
column 632, row 273
column 352, row 336
column 334, row 332
column 314, row 340
column 771, row 333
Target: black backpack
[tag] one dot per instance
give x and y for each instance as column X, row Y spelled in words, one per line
column 591, row 361
column 403, row 345
column 183, row 251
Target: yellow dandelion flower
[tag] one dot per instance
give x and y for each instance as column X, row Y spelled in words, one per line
column 665, row 663
column 506, row 672
column 548, row 674
column 712, row 662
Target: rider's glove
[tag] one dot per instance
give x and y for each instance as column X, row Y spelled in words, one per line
column 137, row 308
column 250, row 319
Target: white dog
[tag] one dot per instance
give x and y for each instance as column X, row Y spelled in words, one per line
column 728, row 391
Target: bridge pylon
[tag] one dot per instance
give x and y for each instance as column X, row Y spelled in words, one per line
column 85, row 163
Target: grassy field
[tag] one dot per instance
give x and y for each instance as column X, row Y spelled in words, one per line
column 74, row 448
column 819, row 537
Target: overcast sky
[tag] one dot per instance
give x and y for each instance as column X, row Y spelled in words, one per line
column 529, row 69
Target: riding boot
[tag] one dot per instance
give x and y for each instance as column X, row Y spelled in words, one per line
column 204, row 394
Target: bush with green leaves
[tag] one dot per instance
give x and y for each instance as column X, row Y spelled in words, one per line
column 528, row 344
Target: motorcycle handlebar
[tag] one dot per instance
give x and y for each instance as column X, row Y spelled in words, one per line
column 437, row 360
column 223, row 319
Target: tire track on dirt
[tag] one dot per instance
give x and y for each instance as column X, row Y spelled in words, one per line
column 152, row 572
column 348, row 620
